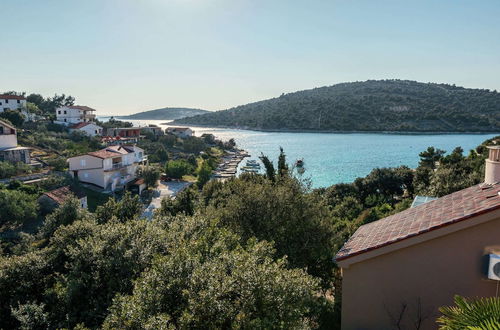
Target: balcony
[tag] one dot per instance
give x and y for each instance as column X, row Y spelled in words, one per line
column 116, row 166
column 87, row 117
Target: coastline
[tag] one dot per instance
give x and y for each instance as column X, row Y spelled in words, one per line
column 284, row 130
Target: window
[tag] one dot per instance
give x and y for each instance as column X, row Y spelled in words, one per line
column 6, row 101
column 95, row 131
column 65, row 111
column 83, row 162
column 64, row 119
column 59, row 112
column 1, row 129
column 18, row 101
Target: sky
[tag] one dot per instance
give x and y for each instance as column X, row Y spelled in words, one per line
column 126, row 56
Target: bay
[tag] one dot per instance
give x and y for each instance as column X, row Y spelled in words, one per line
column 338, row 157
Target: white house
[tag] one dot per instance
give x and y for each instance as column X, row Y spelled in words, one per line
column 12, row 102
column 74, row 114
column 88, row 128
column 182, row 132
column 109, row 168
column 9, row 150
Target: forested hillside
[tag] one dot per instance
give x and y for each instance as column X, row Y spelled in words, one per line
column 165, row 114
column 385, row 105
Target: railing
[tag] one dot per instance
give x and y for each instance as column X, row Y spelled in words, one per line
column 117, row 165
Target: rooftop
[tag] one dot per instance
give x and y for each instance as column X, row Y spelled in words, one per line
column 80, row 107
column 11, row 97
column 59, row 195
column 459, row 206
column 80, row 125
column 112, row 151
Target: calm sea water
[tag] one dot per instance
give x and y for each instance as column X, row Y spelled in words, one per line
column 331, row 157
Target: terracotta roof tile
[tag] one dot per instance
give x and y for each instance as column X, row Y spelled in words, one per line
column 459, row 206
column 12, row 97
column 103, row 154
column 59, row 195
column 81, row 107
column 80, row 125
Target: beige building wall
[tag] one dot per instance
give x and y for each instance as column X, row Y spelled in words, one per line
column 421, row 277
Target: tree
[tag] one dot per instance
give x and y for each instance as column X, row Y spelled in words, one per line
column 16, row 207
column 429, row 157
column 204, row 173
column 282, row 166
column 177, row 168
column 230, row 286
column 150, row 174
column 482, row 313
column 14, row 116
column 127, row 208
column 271, row 175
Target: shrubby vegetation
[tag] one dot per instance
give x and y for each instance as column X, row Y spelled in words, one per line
column 253, row 252
column 385, row 105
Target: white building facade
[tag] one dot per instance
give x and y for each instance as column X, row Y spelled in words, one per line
column 74, row 114
column 88, row 128
column 110, row 168
column 12, row 102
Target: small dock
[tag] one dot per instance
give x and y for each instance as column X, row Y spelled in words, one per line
column 228, row 166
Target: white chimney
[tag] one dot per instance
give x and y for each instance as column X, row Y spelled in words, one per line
column 492, row 171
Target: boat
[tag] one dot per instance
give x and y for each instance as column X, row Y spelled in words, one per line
column 299, row 163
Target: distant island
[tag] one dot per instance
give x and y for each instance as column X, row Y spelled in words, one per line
column 373, row 105
column 165, row 114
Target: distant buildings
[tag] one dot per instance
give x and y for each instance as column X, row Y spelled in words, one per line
column 88, row 128
column 397, row 271
column 74, row 114
column 121, row 135
column 9, row 150
column 109, row 168
column 153, row 129
column 181, row 132
column 12, row 102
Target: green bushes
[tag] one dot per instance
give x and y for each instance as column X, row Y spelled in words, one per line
column 8, row 169
column 178, row 168
column 16, row 207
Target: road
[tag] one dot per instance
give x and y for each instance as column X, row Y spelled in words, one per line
column 164, row 189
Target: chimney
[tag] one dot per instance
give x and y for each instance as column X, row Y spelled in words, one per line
column 492, row 171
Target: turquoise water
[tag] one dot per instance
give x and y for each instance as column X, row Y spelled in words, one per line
column 332, row 158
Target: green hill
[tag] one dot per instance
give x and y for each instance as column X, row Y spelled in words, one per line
column 165, row 114
column 385, row 105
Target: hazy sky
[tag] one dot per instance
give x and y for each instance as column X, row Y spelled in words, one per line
column 124, row 56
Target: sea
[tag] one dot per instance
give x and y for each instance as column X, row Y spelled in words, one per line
column 331, row 158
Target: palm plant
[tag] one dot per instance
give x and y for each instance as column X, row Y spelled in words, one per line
column 482, row 313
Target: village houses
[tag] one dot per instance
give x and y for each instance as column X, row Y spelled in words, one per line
column 397, row 271
column 54, row 198
column 110, row 168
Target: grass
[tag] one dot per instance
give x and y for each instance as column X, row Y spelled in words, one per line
column 189, row 178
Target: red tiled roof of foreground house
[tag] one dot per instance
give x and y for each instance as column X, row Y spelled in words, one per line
column 12, row 97
column 59, row 195
column 453, row 208
column 80, row 107
column 103, row 154
column 111, row 151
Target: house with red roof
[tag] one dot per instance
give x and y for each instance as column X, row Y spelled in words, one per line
column 74, row 114
column 398, row 271
column 110, row 168
column 87, row 127
column 182, row 132
column 52, row 199
column 12, row 102
column 9, row 150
